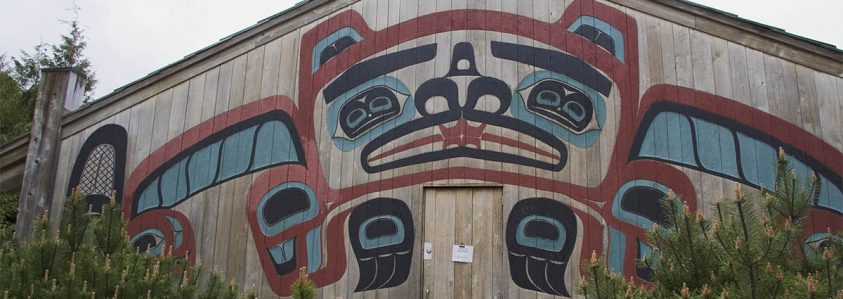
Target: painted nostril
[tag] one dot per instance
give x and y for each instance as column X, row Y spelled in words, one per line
column 436, row 96
column 485, row 89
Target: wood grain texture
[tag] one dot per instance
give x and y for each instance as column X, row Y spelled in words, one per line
column 678, row 59
column 463, row 216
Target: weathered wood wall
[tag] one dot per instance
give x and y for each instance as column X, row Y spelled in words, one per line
column 263, row 158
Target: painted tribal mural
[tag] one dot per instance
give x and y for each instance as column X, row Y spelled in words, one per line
column 451, row 96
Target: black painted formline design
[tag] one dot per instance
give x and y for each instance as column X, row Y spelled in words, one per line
column 335, row 48
column 537, row 258
column 381, row 235
column 645, row 202
column 554, row 61
column 597, row 36
column 288, row 266
column 445, row 87
column 284, row 204
column 108, row 135
column 643, row 271
column 367, row 70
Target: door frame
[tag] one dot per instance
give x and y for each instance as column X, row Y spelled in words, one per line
column 423, row 218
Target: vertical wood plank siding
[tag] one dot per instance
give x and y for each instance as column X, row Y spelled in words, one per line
column 261, row 159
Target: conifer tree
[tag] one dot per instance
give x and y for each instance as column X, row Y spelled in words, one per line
column 20, row 77
column 91, row 257
column 303, row 287
column 749, row 247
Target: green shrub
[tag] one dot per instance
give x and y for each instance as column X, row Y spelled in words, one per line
column 8, row 214
column 303, row 287
column 749, row 247
column 91, row 257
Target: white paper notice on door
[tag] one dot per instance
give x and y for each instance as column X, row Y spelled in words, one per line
column 462, row 254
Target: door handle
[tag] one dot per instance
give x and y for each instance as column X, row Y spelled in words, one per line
column 426, row 292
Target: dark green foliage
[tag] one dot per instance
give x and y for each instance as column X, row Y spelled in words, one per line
column 20, row 78
column 303, row 287
column 748, row 247
column 90, row 257
column 8, row 214
column 15, row 113
column 70, row 53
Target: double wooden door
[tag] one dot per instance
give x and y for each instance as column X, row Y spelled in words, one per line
column 468, row 216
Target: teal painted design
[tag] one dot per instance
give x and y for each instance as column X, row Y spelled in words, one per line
column 237, row 153
column 750, row 160
column 830, row 196
column 617, row 246
column 757, row 160
column 716, row 148
column 177, row 230
column 384, row 240
column 173, row 184
column 149, row 198
column 284, row 253
column 669, row 137
column 519, row 110
column 407, row 113
column 202, row 167
column 613, row 32
column 554, row 245
column 635, row 219
column 330, row 40
column 266, row 143
column 290, row 220
column 817, row 240
column 273, row 145
column 314, row 249
column 644, row 250
column 157, row 235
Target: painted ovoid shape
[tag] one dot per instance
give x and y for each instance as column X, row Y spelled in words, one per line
column 436, row 98
column 539, row 239
column 100, row 167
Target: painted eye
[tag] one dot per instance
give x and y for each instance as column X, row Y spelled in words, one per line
column 380, row 104
column 284, row 206
column 541, row 232
column 818, row 242
column 382, row 231
column 561, row 103
column 644, row 201
column 151, row 239
column 367, row 110
column 355, row 117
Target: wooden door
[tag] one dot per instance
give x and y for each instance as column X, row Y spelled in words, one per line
column 463, row 216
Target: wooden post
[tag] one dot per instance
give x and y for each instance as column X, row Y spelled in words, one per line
column 59, row 86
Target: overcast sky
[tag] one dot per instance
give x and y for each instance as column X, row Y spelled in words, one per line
column 129, row 39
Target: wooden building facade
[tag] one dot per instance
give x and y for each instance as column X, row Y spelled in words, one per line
column 366, row 141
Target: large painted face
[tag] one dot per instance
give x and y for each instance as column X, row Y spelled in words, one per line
column 550, row 109
column 487, row 103
column 488, row 99
column 472, row 102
